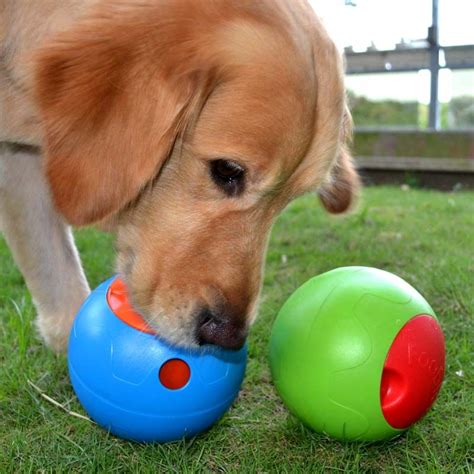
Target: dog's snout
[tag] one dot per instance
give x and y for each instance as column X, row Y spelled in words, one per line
column 219, row 330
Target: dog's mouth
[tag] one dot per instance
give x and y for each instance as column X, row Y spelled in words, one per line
column 201, row 320
column 150, row 322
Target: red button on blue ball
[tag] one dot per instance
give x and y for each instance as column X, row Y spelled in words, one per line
column 174, row 374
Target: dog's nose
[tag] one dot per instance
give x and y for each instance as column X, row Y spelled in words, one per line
column 220, row 331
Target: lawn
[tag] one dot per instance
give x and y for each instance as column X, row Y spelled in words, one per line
column 426, row 237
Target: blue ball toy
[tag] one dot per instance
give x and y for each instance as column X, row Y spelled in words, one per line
column 137, row 386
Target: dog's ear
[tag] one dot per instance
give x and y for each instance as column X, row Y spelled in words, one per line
column 341, row 188
column 112, row 107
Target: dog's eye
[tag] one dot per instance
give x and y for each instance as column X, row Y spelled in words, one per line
column 228, row 175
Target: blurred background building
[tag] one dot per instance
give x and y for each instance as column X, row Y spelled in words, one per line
column 410, row 81
column 403, row 55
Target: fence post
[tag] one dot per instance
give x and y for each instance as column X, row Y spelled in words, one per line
column 433, row 39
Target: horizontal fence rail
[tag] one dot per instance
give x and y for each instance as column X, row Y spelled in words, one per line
column 406, row 59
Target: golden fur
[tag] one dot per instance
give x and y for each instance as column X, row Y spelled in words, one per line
column 133, row 99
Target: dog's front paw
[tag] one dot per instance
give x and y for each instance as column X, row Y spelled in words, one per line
column 54, row 329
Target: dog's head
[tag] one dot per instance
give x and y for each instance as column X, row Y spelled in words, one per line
column 191, row 125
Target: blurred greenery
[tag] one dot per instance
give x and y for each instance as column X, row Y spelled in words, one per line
column 380, row 113
column 461, row 112
column 458, row 113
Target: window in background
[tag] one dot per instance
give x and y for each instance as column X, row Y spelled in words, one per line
column 455, row 22
column 402, row 99
column 457, row 98
column 389, row 100
column 375, row 23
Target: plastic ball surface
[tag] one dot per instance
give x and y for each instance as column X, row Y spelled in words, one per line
column 357, row 353
column 137, row 386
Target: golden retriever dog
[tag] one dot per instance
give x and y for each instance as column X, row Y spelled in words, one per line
column 185, row 126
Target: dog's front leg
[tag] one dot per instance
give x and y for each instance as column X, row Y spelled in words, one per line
column 41, row 242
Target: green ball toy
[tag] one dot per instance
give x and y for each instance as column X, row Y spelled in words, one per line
column 357, row 354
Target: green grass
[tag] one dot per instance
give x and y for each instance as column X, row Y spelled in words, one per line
column 425, row 237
